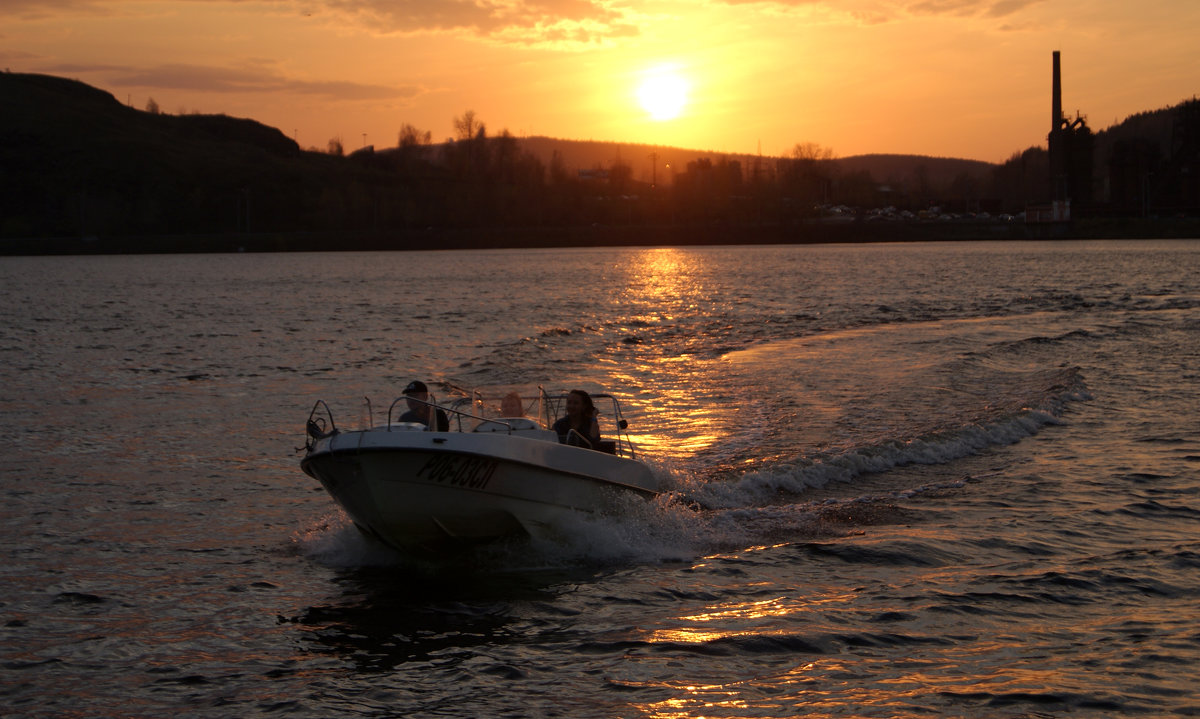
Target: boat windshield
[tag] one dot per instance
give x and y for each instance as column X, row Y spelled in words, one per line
column 476, row 412
column 541, row 412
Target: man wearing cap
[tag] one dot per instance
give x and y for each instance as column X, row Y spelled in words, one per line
column 418, row 394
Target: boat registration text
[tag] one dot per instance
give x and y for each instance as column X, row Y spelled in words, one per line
column 469, row 472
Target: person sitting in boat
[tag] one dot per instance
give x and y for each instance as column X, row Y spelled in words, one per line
column 511, row 406
column 579, row 427
column 418, row 411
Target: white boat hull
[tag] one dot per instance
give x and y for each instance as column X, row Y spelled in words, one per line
column 418, row 489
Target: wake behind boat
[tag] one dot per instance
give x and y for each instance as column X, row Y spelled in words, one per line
column 486, row 478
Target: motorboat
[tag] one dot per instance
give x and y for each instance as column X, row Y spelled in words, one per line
column 489, row 477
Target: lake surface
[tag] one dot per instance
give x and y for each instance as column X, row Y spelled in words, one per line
column 930, row 480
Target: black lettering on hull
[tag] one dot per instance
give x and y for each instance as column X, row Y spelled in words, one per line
column 459, row 471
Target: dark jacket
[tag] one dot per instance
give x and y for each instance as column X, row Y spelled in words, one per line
column 563, row 428
column 443, row 422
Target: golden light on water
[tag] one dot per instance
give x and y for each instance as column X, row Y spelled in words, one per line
column 776, row 607
column 664, row 284
column 745, row 614
column 746, row 618
column 678, row 408
column 822, row 680
column 663, row 275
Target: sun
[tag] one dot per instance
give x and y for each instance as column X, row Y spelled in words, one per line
column 663, row 94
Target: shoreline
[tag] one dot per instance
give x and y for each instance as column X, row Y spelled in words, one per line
column 461, row 238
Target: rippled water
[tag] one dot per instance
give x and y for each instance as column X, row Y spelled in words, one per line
column 944, row 479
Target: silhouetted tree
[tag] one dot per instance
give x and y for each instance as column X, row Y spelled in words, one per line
column 1132, row 165
column 558, row 169
column 922, row 191
column 811, row 151
column 964, row 193
column 856, row 189
column 706, row 191
column 1024, row 179
column 467, row 126
column 620, row 176
column 412, row 148
column 410, row 137
column 807, row 176
column 504, row 155
column 466, row 154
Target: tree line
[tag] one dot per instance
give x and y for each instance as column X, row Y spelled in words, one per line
column 79, row 163
column 477, row 179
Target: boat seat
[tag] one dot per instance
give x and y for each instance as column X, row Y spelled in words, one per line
column 504, row 424
column 608, row 446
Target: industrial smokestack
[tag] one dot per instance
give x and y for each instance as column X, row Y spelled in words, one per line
column 1056, row 102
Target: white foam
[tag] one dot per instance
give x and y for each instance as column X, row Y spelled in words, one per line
column 695, row 515
column 760, row 486
column 334, row 541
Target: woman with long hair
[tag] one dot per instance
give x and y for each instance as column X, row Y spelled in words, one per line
column 578, row 427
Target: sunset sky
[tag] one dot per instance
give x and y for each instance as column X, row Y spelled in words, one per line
column 953, row 78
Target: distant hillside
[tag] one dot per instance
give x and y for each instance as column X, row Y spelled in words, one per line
column 901, row 168
column 1149, row 163
column 77, row 165
column 584, row 155
column 78, row 162
column 72, row 115
column 587, row 155
column 1154, row 131
column 1155, row 126
column 73, row 133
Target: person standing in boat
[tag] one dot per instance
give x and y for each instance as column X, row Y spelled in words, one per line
column 418, row 411
column 581, row 417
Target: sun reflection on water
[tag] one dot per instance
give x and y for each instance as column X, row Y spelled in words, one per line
column 666, row 290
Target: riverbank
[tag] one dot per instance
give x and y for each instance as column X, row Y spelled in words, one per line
column 607, row 236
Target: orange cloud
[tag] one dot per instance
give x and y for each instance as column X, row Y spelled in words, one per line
column 249, row 79
column 875, row 12
column 526, row 22
column 521, row 21
column 987, row 8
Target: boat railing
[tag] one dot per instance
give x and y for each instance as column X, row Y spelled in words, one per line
column 614, row 428
column 615, row 425
column 475, row 400
column 455, row 414
column 368, row 411
column 320, row 425
column 574, row 434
